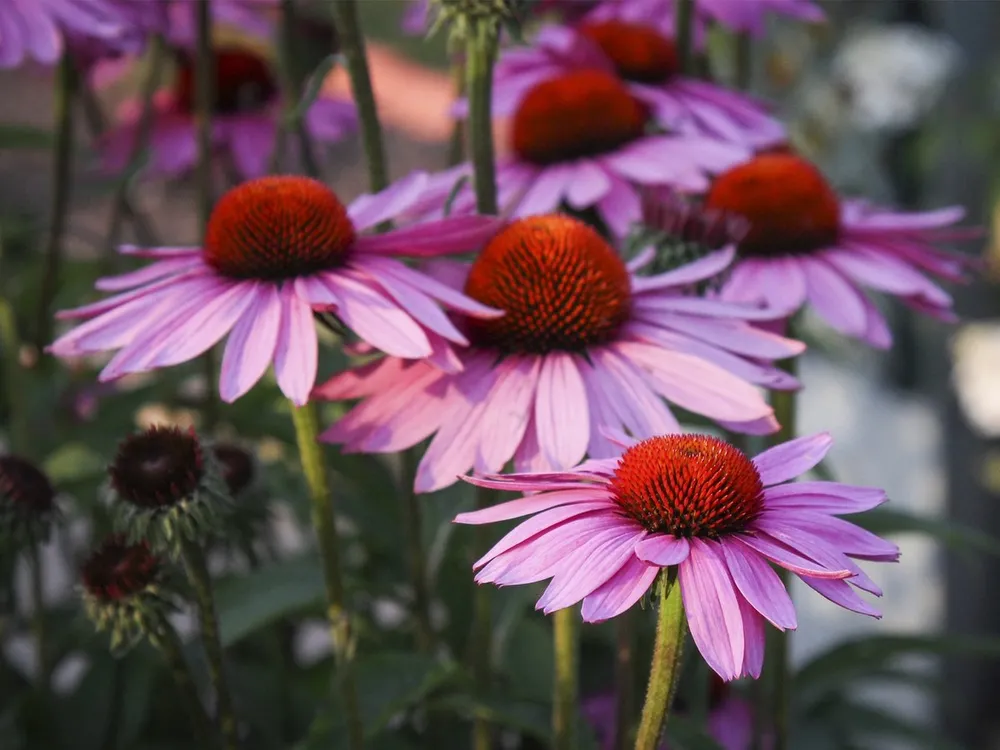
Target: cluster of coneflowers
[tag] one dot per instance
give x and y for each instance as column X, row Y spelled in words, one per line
column 630, row 263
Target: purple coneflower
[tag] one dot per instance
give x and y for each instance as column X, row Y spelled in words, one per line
column 244, row 122
column 585, row 342
column 807, row 245
column 36, row 29
column 603, row 531
column 739, row 15
column 646, row 59
column 582, row 138
column 276, row 249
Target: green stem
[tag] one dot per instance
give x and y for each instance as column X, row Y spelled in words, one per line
column 665, row 671
column 120, row 202
column 321, row 500
column 482, row 627
column 624, row 678
column 39, row 630
column 61, row 188
column 292, row 96
column 565, row 633
column 201, row 584
column 744, row 61
column 773, row 714
column 480, row 53
column 352, row 44
column 412, row 520
column 456, row 144
column 684, row 35
column 170, row 646
column 204, row 104
column 13, row 376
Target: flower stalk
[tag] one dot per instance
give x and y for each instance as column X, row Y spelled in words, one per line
column 67, row 82
column 482, row 626
column 418, row 564
column 292, row 97
column 744, row 61
column 321, row 500
column 204, row 104
column 685, row 36
column 166, row 640
column 201, row 583
column 480, row 54
column 564, row 700
column 352, row 44
column 665, row 672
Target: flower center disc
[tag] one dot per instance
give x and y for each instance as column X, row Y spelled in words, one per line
column 688, row 486
column 640, row 54
column 243, row 83
column 563, row 287
column 583, row 113
column 118, row 570
column 277, row 228
column 789, row 204
column 157, row 468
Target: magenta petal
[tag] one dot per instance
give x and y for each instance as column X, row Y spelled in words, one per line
column 539, row 523
column 588, row 567
column 561, row 415
column 753, row 638
column 296, row 352
column 789, row 558
column 789, row 460
column 449, row 296
column 369, row 210
column 526, row 506
column 839, row 592
column 712, row 609
column 824, row 497
column 699, row 270
column 834, row 298
column 508, row 412
column 760, row 585
column 251, row 344
column 663, row 550
column 152, row 272
column 448, row 236
column 620, row 592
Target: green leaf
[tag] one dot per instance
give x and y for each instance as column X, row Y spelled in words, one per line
column 873, row 654
column 313, row 87
column 17, row 136
column 252, row 601
column 883, row 521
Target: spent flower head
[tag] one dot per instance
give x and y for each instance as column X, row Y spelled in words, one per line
column 27, row 503
column 166, row 487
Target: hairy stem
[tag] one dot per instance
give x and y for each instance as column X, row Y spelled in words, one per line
column 321, row 500
column 565, row 633
column 201, row 583
column 352, row 44
column 480, row 53
column 685, row 36
column 665, row 671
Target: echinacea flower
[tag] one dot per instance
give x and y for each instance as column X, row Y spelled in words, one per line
column 603, row 531
column 739, row 15
column 27, row 503
column 586, row 341
column 276, row 249
column 244, row 121
column 124, row 591
column 165, row 488
column 646, row 59
column 580, row 137
column 729, row 721
column 37, row 29
column 807, row 245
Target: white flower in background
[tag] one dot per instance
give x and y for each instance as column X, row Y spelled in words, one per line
column 893, row 74
column 976, row 362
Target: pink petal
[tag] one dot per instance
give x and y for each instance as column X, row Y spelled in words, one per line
column 787, row 558
column 663, row 550
column 447, row 236
column 369, row 210
column 296, row 352
column 526, row 506
column 620, row 592
column 152, row 272
column 760, row 585
column 561, row 416
column 835, row 299
column 251, row 344
column 712, row 609
column 753, row 638
column 507, row 412
column 840, row 593
column 824, row 497
column 793, row 458
column 699, row 270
